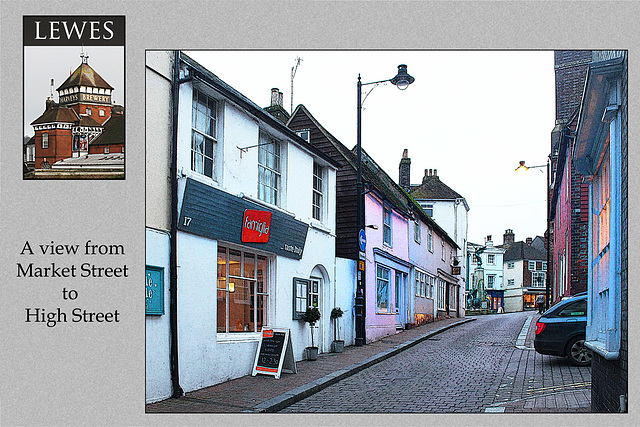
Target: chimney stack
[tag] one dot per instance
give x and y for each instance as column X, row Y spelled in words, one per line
column 404, row 179
column 508, row 238
column 276, row 109
column 488, row 238
column 529, row 240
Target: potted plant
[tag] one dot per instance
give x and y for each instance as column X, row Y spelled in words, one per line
column 311, row 316
column 338, row 344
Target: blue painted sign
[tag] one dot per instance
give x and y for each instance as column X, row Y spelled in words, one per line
column 362, row 239
column 154, row 284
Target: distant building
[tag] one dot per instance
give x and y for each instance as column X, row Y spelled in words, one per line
column 83, row 121
column 525, row 274
column 485, row 273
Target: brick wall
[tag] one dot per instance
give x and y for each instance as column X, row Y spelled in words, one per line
column 610, row 378
column 570, row 69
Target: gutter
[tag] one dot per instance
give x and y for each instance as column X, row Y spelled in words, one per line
column 173, row 252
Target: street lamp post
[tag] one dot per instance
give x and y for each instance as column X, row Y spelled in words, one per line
column 522, row 167
column 402, row 80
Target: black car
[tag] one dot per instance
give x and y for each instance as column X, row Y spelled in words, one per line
column 560, row 331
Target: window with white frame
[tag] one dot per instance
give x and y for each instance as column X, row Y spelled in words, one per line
column 538, row 279
column 416, row 232
column 243, row 291
column 203, row 133
column 101, row 113
column 387, row 217
column 45, row 140
column 304, row 134
column 441, row 294
column 430, row 240
column 432, row 285
column 422, row 284
column 106, row 150
column 511, row 265
column 269, row 169
column 318, row 191
column 428, row 208
column 382, row 288
column 491, row 259
column 491, row 280
column 511, row 282
column 544, row 266
column 443, row 250
column 532, row 265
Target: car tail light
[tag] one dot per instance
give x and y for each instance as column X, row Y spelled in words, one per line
column 540, row 327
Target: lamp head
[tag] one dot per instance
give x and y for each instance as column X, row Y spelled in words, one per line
column 402, row 80
column 522, row 167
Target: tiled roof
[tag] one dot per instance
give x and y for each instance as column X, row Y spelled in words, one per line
column 522, row 251
column 89, row 122
column 84, row 75
column 433, row 188
column 57, row 114
column 92, row 161
column 113, row 132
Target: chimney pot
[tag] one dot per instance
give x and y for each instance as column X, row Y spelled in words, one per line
column 435, row 172
column 274, row 97
column 405, row 153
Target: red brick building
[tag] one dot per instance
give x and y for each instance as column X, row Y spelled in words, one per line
column 83, row 121
column 569, row 192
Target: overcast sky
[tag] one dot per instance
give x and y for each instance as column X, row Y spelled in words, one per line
column 472, row 115
column 41, row 64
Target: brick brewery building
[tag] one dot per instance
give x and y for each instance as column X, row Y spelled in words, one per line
column 84, row 130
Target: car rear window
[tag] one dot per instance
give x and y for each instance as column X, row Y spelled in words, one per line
column 578, row 308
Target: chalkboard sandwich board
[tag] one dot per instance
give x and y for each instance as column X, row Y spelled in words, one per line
column 275, row 353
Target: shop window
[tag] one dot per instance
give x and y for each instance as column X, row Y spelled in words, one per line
column 382, row 289
column 243, row 291
column 387, row 217
column 318, row 192
column 269, row 170
column 203, row 133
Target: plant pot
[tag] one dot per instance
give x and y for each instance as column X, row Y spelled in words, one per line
column 312, row 353
column 337, row 346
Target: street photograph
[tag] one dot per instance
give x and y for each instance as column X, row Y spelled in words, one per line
column 386, row 231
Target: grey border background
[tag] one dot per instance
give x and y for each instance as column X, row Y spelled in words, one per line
column 93, row 374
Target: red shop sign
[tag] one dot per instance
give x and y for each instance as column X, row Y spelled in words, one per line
column 256, row 226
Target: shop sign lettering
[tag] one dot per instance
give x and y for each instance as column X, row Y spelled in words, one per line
column 255, row 226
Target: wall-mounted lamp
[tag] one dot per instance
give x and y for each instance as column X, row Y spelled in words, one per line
column 372, row 226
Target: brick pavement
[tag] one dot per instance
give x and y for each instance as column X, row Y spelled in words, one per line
column 265, row 394
column 538, row 383
column 529, row 383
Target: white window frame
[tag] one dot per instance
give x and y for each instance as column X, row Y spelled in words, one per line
column 270, row 169
column 532, row 266
column 443, row 250
column 318, row 190
column 45, row 140
column 441, row 294
column 204, row 141
column 538, row 279
column 382, row 296
column 266, row 276
column 106, row 149
column 511, row 265
column 387, row 226
column 491, row 281
column 417, row 233
column 304, row 134
column 491, row 259
column 430, row 239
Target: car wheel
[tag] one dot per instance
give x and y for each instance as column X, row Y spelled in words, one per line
column 577, row 353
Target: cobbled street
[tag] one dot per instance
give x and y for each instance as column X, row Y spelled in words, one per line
column 477, row 367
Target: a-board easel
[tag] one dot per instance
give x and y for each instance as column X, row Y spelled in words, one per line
column 275, row 353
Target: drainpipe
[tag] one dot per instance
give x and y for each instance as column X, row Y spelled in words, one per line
column 173, row 286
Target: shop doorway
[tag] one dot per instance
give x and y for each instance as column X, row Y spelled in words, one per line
column 315, row 300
